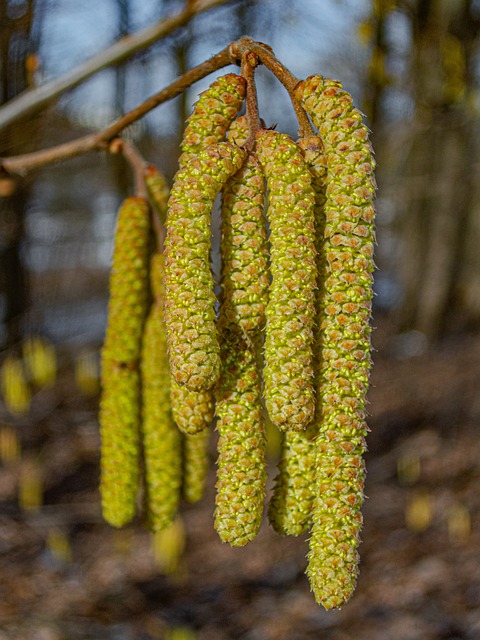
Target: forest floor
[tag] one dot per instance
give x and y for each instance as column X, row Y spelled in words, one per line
column 66, row 575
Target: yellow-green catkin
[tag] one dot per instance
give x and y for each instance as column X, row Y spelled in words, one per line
column 241, row 471
column 192, row 410
column 161, row 438
column 189, row 298
column 245, row 275
column 120, row 400
column 158, row 190
column 290, row 313
column 196, row 461
column 345, row 343
column 290, row 509
column 212, row 115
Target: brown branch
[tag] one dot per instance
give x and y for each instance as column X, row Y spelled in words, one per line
column 96, row 141
column 265, row 54
column 101, row 140
column 32, row 101
column 249, row 63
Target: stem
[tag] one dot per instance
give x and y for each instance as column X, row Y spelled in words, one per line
column 249, row 63
column 265, row 54
column 22, row 164
column 136, row 162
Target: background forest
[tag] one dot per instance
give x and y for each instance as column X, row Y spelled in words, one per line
column 413, row 68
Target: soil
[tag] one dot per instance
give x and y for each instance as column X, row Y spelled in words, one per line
column 66, row 575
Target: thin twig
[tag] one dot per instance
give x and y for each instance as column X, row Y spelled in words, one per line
column 137, row 164
column 34, row 100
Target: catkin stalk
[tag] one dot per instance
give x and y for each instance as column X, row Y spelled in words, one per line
column 345, row 339
column 189, row 298
column 161, row 438
column 290, row 313
column 120, row 400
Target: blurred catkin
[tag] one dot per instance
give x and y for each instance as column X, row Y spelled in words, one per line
column 161, row 438
column 212, row 115
column 345, row 339
column 290, row 510
column 290, row 313
column 195, row 465
column 190, row 299
column 158, row 190
column 120, row 400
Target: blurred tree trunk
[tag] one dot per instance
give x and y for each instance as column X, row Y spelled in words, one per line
column 438, row 188
column 18, row 61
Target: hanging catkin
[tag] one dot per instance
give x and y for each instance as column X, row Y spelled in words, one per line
column 161, row 438
column 213, row 113
column 245, row 277
column 345, row 350
column 120, row 400
column 195, row 465
column 158, row 190
column 241, row 471
column 190, row 300
column 290, row 510
column 288, row 369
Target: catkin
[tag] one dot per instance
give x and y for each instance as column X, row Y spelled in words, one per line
column 195, row 465
column 158, row 190
column 189, row 298
column 161, row 438
column 245, row 277
column 129, row 287
column 213, row 113
column 288, row 369
column 241, row 471
column 120, row 400
column 345, row 346
column 290, row 509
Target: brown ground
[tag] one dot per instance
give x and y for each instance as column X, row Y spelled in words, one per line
column 65, row 575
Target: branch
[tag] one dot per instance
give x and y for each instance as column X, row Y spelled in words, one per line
column 24, row 163
column 34, row 100
column 232, row 54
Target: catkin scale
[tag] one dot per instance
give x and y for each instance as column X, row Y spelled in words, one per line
column 120, row 401
column 288, row 369
column 189, row 298
column 161, row 439
column 345, row 339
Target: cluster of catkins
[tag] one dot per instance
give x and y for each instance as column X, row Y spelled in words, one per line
column 290, row 337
